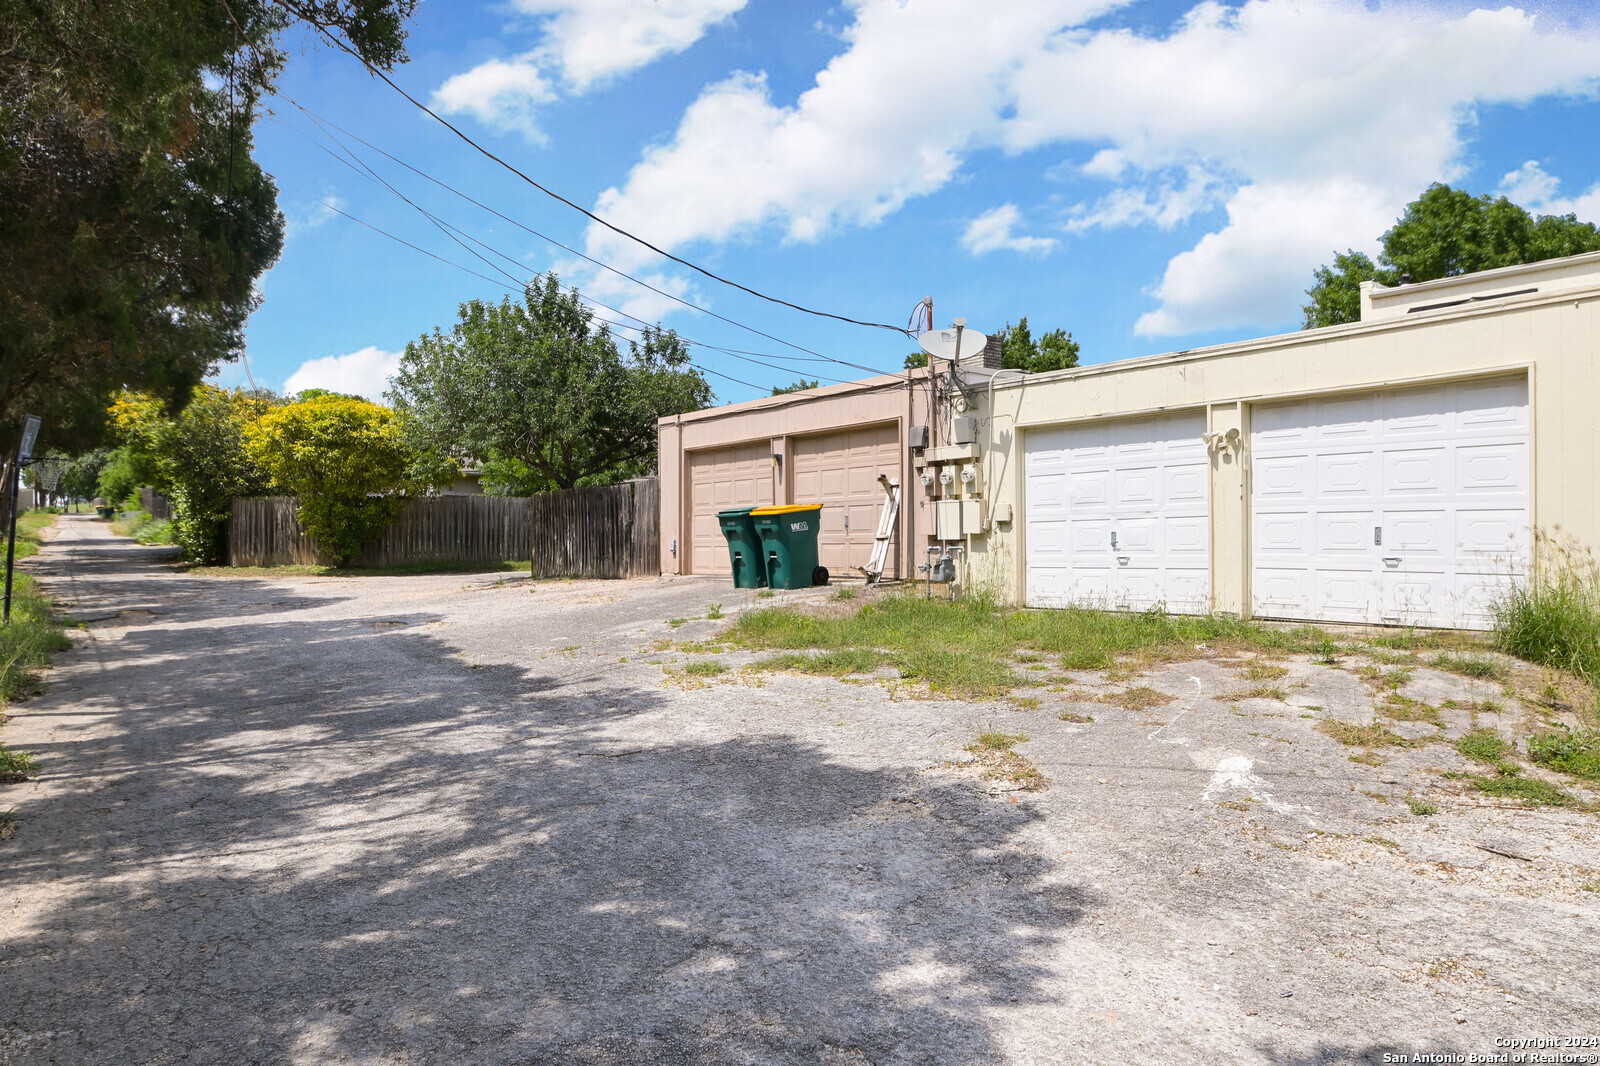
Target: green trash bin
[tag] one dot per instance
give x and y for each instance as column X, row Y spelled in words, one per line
column 744, row 548
column 789, row 544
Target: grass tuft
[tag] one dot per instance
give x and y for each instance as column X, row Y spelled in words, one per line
column 714, row 612
column 1375, row 735
column 1484, row 745
column 1475, row 666
column 1554, row 618
column 1571, row 752
column 704, row 668
column 1421, row 808
column 1508, row 783
column 1138, row 698
column 996, row 741
column 1073, row 716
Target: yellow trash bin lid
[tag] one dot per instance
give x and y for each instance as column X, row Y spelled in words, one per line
column 786, row 510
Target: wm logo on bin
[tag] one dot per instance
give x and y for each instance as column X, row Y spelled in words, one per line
column 798, row 527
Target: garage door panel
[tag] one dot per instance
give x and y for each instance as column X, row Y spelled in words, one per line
column 1343, row 532
column 1494, row 534
column 1412, row 533
column 1134, row 531
column 1089, row 490
column 1445, row 474
column 1416, row 598
column 1286, row 477
column 1346, row 474
column 1188, row 538
column 1415, row 472
column 1491, row 468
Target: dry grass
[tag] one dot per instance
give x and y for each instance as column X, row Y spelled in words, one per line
column 1258, row 692
column 1376, row 735
column 992, row 753
column 1138, row 698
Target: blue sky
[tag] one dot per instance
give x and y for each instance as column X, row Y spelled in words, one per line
column 1150, row 175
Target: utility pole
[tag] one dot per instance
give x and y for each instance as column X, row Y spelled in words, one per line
column 24, row 452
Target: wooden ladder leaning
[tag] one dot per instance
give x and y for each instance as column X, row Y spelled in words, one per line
column 886, row 520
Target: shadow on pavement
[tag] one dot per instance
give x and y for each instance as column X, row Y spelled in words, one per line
column 325, row 841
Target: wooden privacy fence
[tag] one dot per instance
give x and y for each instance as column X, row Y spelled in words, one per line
column 611, row 531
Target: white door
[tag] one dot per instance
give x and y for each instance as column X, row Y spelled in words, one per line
column 1118, row 515
column 1406, row 506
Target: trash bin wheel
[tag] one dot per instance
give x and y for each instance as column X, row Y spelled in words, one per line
column 819, row 576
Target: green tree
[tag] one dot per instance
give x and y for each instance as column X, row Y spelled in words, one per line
column 346, row 461
column 136, row 221
column 197, row 458
column 81, row 479
column 1055, row 350
column 1443, row 233
column 118, row 478
column 800, row 386
column 540, row 383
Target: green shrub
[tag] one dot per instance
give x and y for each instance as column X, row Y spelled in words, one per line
column 1572, row 752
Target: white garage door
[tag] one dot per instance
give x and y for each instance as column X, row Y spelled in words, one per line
column 720, row 480
column 840, row 471
column 1118, row 515
column 1406, row 506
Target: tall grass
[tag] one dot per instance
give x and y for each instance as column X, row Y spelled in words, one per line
column 28, row 642
column 1553, row 618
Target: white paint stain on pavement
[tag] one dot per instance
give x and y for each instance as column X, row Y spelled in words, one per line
column 1235, row 773
column 1198, row 689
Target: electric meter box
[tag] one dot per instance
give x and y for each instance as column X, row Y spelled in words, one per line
column 964, row 430
column 953, row 519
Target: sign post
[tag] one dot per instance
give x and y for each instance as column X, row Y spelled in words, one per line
column 30, row 434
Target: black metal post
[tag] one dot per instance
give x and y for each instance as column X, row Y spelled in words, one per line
column 14, row 476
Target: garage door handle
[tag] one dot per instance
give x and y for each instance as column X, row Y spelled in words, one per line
column 1122, row 560
column 1391, row 560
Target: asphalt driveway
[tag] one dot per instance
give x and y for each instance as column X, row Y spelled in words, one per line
column 481, row 819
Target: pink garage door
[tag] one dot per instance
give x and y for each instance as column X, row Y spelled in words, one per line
column 718, row 480
column 840, row 471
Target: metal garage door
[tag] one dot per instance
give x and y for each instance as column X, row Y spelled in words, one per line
column 1118, row 515
column 840, row 471
column 1407, row 506
column 718, row 480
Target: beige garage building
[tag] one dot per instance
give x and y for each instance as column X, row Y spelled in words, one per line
column 1389, row 471
column 825, row 446
column 1393, row 470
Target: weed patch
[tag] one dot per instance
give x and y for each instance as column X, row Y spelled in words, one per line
column 714, row 612
column 1263, row 671
column 704, row 668
column 828, row 663
column 16, row 765
column 1382, row 842
column 1571, row 752
column 27, row 644
column 1368, row 758
column 1508, row 783
column 1073, row 716
column 1484, row 745
column 1475, row 666
column 1554, row 618
column 1421, row 808
column 993, row 753
column 1258, row 692
column 1138, row 698
column 1375, row 735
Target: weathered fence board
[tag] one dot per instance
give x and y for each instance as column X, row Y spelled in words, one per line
column 154, row 504
column 610, row 531
column 600, row 532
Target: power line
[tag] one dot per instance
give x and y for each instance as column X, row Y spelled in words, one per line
column 446, row 228
column 339, row 43
column 502, row 285
column 324, row 124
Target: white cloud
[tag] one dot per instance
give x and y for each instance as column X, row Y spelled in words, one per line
column 304, row 217
column 503, row 95
column 1538, row 191
column 363, row 373
column 1313, row 122
column 991, row 232
column 582, row 43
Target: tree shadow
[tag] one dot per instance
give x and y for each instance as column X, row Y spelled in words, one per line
column 316, row 840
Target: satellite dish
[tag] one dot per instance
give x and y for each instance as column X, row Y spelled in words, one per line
column 941, row 343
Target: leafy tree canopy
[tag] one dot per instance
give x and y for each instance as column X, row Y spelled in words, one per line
column 799, row 386
column 135, row 220
column 1055, row 350
column 345, row 459
column 197, row 458
column 1443, row 233
column 537, row 382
